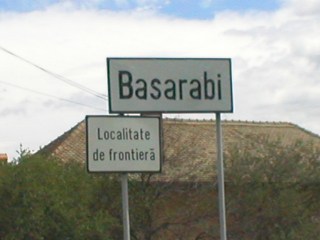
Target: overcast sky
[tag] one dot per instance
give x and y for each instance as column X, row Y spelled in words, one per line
column 47, row 47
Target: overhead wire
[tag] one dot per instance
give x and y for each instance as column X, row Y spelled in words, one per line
column 49, row 95
column 57, row 76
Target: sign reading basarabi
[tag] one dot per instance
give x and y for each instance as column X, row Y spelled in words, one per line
column 123, row 144
column 169, row 85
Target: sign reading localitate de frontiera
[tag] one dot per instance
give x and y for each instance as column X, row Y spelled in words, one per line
column 123, row 144
column 172, row 85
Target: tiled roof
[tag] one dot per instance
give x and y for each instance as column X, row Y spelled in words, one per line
column 70, row 146
column 3, row 157
column 189, row 145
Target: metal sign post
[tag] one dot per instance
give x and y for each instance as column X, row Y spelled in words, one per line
column 174, row 85
column 220, row 168
column 125, row 206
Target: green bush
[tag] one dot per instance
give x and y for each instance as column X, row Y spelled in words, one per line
column 44, row 199
column 273, row 189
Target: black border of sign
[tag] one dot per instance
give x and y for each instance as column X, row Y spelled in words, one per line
column 155, row 58
column 138, row 117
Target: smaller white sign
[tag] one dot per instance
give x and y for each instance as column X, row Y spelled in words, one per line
column 123, row 144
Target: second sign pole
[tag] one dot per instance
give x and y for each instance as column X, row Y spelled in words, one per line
column 222, row 205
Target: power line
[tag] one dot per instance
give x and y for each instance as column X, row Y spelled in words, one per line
column 57, row 76
column 49, row 95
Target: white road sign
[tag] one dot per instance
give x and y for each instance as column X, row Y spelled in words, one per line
column 123, row 144
column 170, row 85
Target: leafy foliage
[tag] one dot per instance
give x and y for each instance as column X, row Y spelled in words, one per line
column 272, row 189
column 272, row 193
column 42, row 199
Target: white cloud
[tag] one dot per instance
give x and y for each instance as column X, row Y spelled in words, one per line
column 305, row 8
column 275, row 57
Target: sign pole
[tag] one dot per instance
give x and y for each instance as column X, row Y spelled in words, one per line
column 222, row 205
column 125, row 76
column 125, row 206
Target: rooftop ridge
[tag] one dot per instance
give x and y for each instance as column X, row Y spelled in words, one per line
column 273, row 123
column 306, row 131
